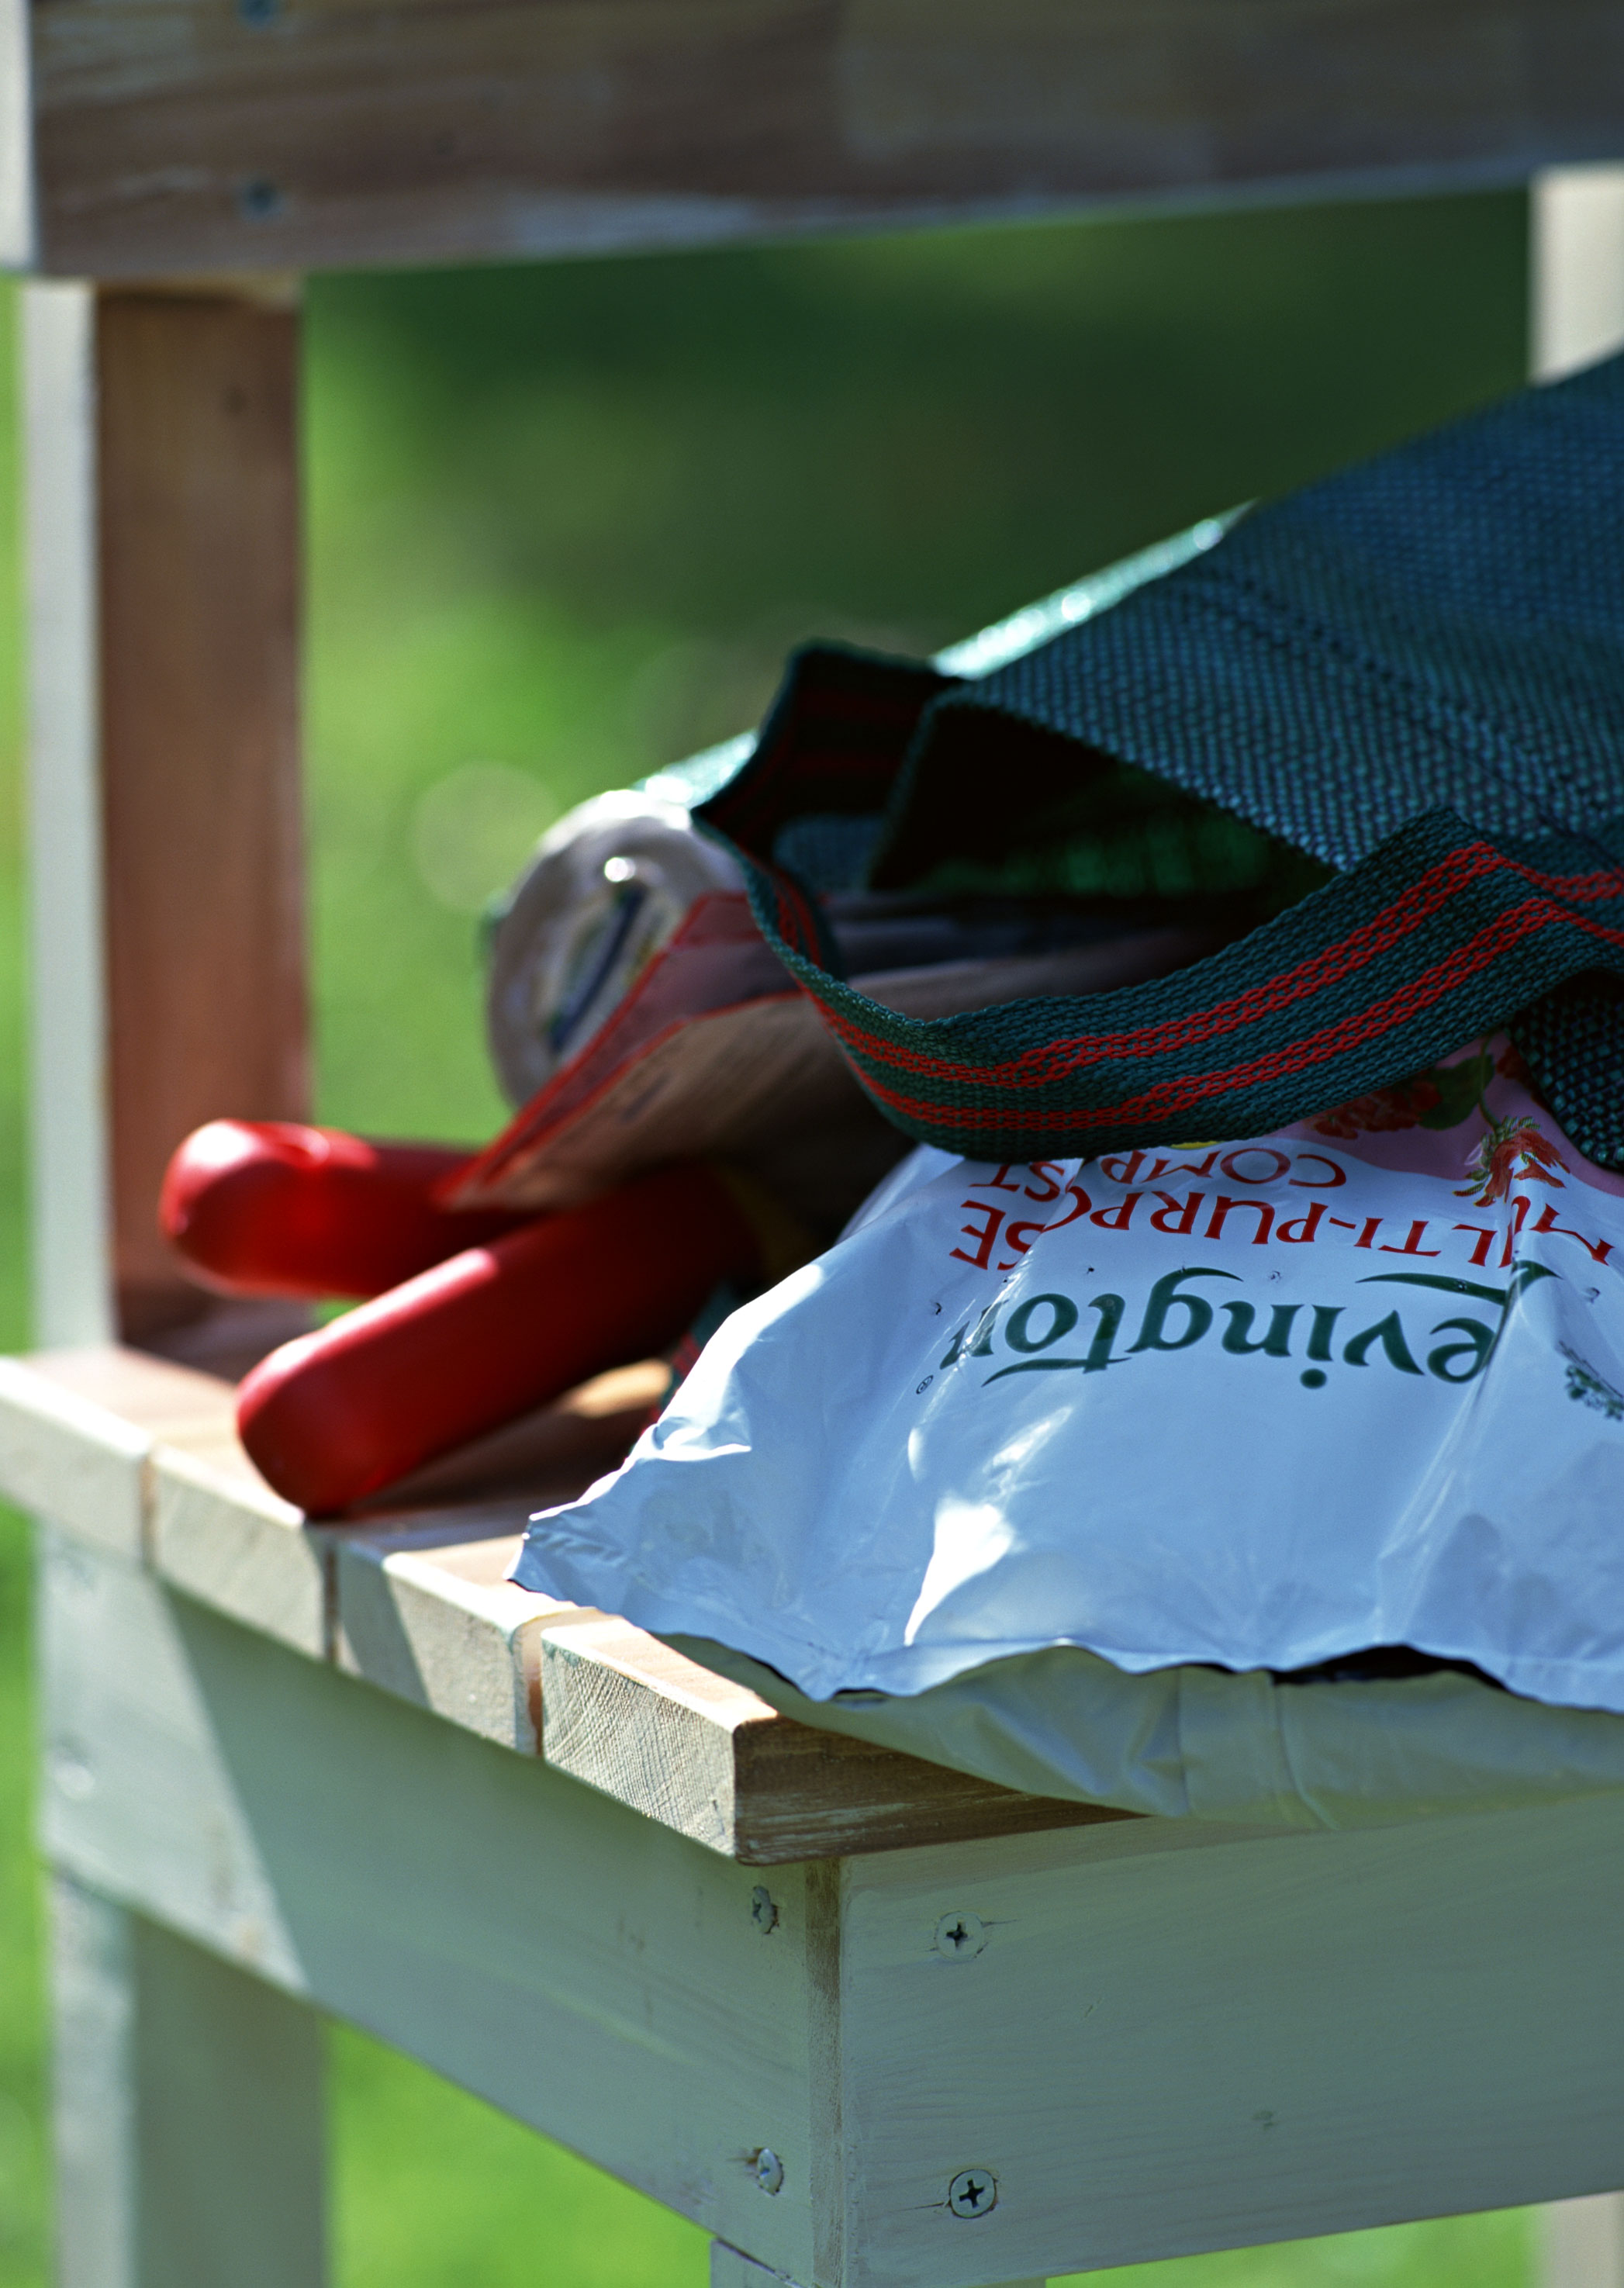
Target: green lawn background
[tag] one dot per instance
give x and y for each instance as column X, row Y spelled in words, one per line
column 564, row 522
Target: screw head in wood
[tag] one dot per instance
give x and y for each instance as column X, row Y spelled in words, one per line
column 769, row 2171
column 973, row 2193
column 959, row 1937
column 764, row 1908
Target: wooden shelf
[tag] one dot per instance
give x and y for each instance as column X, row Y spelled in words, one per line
column 190, row 135
column 141, row 1459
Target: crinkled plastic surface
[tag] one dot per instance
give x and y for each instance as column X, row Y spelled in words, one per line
column 1250, row 1405
column 1208, row 1743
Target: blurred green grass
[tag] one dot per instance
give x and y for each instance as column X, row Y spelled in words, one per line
column 564, row 522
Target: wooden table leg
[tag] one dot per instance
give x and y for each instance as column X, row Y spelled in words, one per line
column 188, row 2112
column 1582, row 2242
column 1576, row 261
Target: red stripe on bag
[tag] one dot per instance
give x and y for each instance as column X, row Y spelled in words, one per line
column 1169, row 1097
column 1038, row 1066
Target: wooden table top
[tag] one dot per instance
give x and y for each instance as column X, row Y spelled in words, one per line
column 132, row 1453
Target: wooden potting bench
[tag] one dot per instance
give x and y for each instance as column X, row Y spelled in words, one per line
column 873, row 2024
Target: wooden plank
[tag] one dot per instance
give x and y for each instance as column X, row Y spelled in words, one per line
column 707, row 1757
column 71, row 1231
column 1577, row 261
column 16, row 140
column 592, row 1973
column 66, row 1458
column 140, row 1456
column 442, row 1626
column 394, row 1593
column 729, row 2267
column 218, row 1531
column 1580, row 2244
column 804, row 1793
column 176, row 135
column 1167, row 2052
column 1172, row 2037
column 197, row 503
column 187, row 2110
column 652, row 1730
column 156, row 1395
column 167, row 954
column 77, row 1429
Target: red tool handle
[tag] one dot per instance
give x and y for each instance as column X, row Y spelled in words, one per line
column 490, row 1334
column 271, row 1207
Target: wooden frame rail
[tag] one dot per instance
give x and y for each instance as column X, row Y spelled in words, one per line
column 140, row 1456
column 185, row 136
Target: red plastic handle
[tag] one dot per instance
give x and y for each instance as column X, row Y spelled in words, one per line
column 490, row 1334
column 270, row 1207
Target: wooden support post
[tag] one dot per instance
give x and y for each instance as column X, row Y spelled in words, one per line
column 187, row 2109
column 168, row 932
column 1582, row 2242
column 73, row 1287
column 1576, row 304
column 1576, row 315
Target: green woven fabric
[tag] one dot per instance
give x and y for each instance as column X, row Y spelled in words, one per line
column 1406, row 682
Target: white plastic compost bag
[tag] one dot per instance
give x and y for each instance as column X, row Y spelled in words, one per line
column 1260, row 1405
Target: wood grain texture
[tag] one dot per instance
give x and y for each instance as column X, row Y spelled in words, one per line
column 218, row 1531
column 1172, row 2038
column 77, row 1428
column 166, row 953
column 729, row 2267
column 697, row 1752
column 187, row 2105
column 592, row 1973
column 69, row 1460
column 442, row 1626
column 141, row 1457
column 199, row 585
column 182, row 135
column 1154, row 2055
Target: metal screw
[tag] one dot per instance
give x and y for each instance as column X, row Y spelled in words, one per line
column 769, row 2171
column 959, row 1937
column 973, row 2193
column 258, row 200
column 764, row 1908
